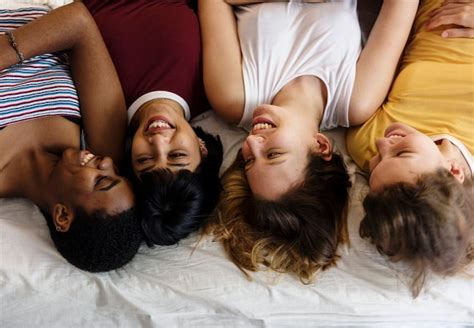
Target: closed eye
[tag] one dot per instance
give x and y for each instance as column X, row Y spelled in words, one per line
column 177, row 155
column 248, row 161
column 144, row 160
column 273, row 155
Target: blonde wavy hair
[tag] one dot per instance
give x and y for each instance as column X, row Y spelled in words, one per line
column 298, row 233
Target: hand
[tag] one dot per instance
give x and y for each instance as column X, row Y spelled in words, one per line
column 459, row 13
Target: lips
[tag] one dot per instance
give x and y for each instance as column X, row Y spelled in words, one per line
column 262, row 123
column 157, row 124
column 395, row 129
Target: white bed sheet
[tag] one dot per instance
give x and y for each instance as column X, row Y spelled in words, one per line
column 197, row 286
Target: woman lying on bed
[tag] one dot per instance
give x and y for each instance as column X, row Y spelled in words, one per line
column 88, row 207
column 156, row 48
column 419, row 208
column 297, row 71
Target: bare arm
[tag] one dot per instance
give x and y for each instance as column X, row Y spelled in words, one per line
column 379, row 59
column 222, row 60
column 102, row 102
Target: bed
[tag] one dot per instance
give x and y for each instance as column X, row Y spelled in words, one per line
column 193, row 284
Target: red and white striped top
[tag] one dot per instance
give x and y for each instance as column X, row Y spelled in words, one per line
column 42, row 86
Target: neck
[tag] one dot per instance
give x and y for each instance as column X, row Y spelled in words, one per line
column 452, row 153
column 27, row 176
column 306, row 95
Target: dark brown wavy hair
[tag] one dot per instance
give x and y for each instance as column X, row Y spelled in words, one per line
column 297, row 233
column 428, row 224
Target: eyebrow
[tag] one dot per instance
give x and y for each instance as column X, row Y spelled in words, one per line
column 110, row 186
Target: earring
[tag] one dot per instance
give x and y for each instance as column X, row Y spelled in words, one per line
column 202, row 147
column 58, row 229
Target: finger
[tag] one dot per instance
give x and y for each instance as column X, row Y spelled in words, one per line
column 444, row 20
column 447, row 12
column 447, row 7
column 457, row 1
column 458, row 33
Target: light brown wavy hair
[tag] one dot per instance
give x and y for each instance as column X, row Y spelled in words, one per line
column 428, row 224
column 298, row 233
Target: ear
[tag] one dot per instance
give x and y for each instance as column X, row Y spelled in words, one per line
column 62, row 217
column 323, row 146
column 203, row 148
column 456, row 170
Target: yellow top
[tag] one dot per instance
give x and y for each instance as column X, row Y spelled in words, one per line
column 433, row 92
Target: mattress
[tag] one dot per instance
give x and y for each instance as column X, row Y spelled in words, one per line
column 193, row 284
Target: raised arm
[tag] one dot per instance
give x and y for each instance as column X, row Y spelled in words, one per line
column 222, row 60
column 379, row 58
column 100, row 95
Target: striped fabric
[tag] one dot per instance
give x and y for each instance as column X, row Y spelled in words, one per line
column 41, row 87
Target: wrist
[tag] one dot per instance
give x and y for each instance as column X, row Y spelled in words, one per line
column 8, row 55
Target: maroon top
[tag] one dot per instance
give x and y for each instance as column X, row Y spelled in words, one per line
column 155, row 45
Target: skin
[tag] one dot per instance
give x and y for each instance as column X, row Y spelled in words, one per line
column 404, row 159
column 404, row 154
column 269, row 151
column 175, row 146
column 270, row 154
column 301, row 102
column 456, row 17
column 43, row 166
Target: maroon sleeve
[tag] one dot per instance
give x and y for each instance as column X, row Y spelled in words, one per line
column 155, row 45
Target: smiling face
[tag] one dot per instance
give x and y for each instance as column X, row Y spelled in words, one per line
column 277, row 148
column 164, row 139
column 81, row 179
column 403, row 155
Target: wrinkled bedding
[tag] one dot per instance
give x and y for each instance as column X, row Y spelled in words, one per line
column 193, row 284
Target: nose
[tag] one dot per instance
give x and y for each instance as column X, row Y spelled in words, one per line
column 158, row 139
column 105, row 163
column 383, row 145
column 255, row 143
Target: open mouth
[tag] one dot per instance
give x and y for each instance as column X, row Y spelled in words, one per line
column 394, row 136
column 261, row 123
column 158, row 123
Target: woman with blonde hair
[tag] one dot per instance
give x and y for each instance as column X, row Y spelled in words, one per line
column 286, row 71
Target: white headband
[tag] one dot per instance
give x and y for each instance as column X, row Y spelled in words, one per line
column 156, row 95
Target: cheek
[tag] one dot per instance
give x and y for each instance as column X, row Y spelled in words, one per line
column 245, row 150
column 139, row 145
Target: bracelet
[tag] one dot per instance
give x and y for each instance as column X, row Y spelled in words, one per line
column 19, row 54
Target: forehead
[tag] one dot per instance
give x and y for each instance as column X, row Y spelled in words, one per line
column 269, row 181
column 399, row 169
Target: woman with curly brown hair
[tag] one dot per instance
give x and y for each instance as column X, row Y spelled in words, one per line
column 285, row 72
column 420, row 204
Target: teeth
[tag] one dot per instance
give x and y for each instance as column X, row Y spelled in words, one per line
column 159, row 124
column 87, row 158
column 263, row 126
column 395, row 136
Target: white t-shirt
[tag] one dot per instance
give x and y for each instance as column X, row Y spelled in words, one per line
column 282, row 41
